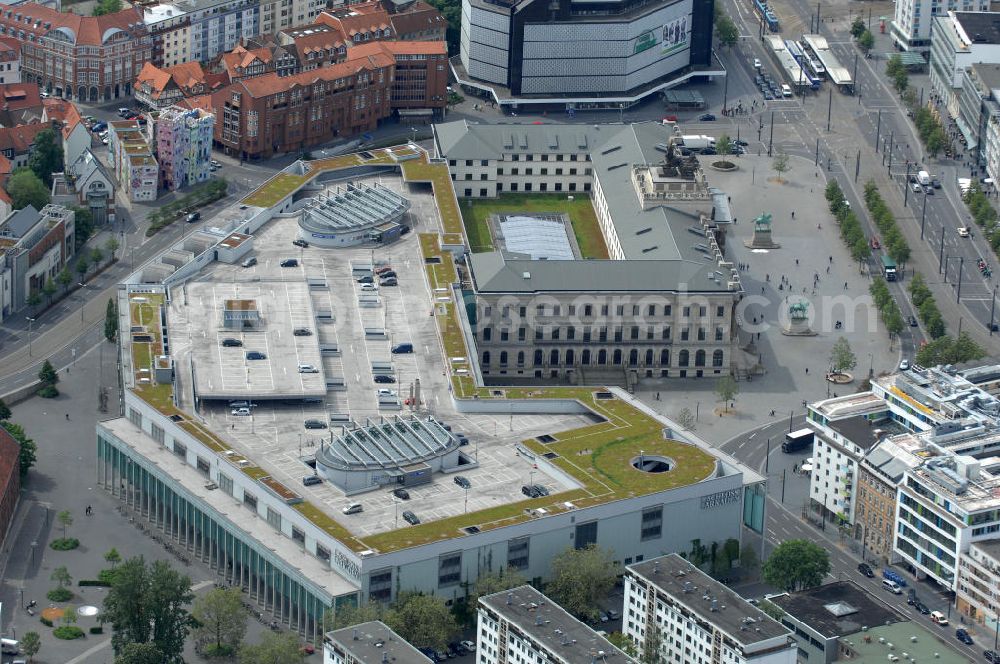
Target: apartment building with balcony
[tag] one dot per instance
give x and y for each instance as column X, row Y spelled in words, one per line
column 671, row 605
column 184, row 146
column 879, row 473
column 522, row 626
column 911, row 24
column 846, row 429
column 977, row 595
column 959, row 40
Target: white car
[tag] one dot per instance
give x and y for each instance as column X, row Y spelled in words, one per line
column 385, row 392
column 904, row 365
column 915, row 186
column 240, row 412
column 307, row 368
column 756, row 63
column 369, row 287
column 963, row 232
column 469, row 645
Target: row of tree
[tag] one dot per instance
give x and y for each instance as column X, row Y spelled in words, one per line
column 984, row 215
column 892, row 317
column 850, row 227
column 950, row 350
column 725, row 29
column 204, row 194
column 923, row 301
column 95, row 258
column 893, row 242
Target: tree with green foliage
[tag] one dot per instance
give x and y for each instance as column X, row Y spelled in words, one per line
column 64, row 278
column 222, row 620
column 96, row 257
column 866, row 41
column 111, row 320
column 112, row 557
column 858, row 27
column 82, row 266
column 61, row 576
column 25, row 188
column 65, row 519
column 146, row 603
column 47, row 375
column 111, row 246
column 4, row 410
column 726, row 30
column 842, row 358
column 31, row 643
column 34, row 298
column 28, row 449
column 780, row 164
column 948, row 350
column 83, row 221
column 797, row 564
column 46, row 156
column 49, row 289
column 423, row 620
column 494, row 582
column 281, row 648
column 685, row 418
column 107, row 7
column 651, row 648
column 139, row 653
column 623, row 643
column 724, row 146
column 581, row 578
column 351, row 614
column 726, row 389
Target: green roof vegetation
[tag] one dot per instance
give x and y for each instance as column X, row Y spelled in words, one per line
column 477, row 211
column 444, row 194
column 275, row 189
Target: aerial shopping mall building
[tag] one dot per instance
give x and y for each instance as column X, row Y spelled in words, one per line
column 229, row 487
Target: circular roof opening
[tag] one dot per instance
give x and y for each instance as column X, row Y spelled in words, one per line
column 653, row 463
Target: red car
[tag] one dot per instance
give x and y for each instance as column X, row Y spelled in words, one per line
column 875, row 243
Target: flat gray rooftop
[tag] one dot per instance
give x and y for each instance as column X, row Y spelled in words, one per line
column 687, row 585
column 810, row 607
column 225, row 372
column 538, row 617
column 374, row 643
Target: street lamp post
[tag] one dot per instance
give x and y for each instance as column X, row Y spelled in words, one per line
column 31, row 322
column 961, row 264
column 84, row 305
column 993, row 304
column 923, row 215
column 871, row 365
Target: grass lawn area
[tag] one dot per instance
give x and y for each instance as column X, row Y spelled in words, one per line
column 476, row 211
column 275, row 189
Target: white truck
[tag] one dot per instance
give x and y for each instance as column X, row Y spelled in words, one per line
column 696, row 141
column 924, row 178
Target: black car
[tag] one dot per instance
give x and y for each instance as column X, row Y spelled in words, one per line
column 232, row 343
column 741, row 143
column 315, row 424
column 300, row 243
column 913, row 321
column 706, row 117
column 530, row 491
column 193, row 217
column 963, row 636
column 922, row 608
column 302, row 332
column 709, row 151
column 542, row 491
column 385, row 379
column 367, row 279
column 386, row 274
column 402, row 348
column 290, row 262
column 463, row 482
column 866, row 569
column 256, row 355
column 411, row 518
column 462, row 439
column 991, row 656
column 936, row 183
column 402, row 494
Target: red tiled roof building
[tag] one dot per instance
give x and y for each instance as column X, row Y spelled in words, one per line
column 88, row 58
